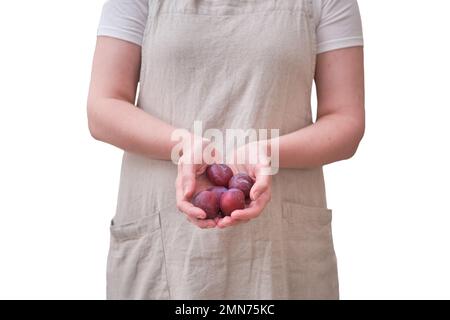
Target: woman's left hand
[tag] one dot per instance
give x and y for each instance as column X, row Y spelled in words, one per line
column 253, row 160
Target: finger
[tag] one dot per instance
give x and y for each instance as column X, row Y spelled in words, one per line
column 190, row 210
column 188, row 179
column 225, row 222
column 234, row 223
column 254, row 210
column 261, row 185
column 229, row 222
column 179, row 186
column 183, row 205
column 179, row 192
column 201, row 170
column 202, row 224
column 178, row 183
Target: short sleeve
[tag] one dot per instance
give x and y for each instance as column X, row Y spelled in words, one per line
column 124, row 19
column 338, row 24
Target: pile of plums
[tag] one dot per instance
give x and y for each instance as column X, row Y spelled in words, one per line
column 228, row 194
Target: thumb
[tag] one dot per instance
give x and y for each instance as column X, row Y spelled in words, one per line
column 188, row 188
column 261, row 185
column 188, row 178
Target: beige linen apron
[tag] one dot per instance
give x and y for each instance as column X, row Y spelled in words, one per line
column 231, row 64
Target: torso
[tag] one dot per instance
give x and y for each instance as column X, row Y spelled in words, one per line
column 230, row 64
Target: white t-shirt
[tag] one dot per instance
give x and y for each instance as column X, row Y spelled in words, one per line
column 338, row 22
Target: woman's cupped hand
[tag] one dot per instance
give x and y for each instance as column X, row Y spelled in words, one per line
column 251, row 158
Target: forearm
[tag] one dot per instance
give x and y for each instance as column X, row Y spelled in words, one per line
column 127, row 127
column 332, row 138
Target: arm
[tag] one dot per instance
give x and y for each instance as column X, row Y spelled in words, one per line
column 340, row 117
column 112, row 115
column 335, row 135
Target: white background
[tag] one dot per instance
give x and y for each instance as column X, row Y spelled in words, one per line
column 58, row 187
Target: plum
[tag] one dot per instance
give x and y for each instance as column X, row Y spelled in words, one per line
column 207, row 201
column 219, row 174
column 233, row 199
column 243, row 182
column 218, row 192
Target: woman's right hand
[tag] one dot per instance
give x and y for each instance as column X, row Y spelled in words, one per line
column 258, row 169
column 190, row 181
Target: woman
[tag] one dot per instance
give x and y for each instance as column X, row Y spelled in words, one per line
column 229, row 64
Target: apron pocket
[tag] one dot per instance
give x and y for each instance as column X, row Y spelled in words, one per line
column 135, row 230
column 136, row 264
column 311, row 260
column 315, row 217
